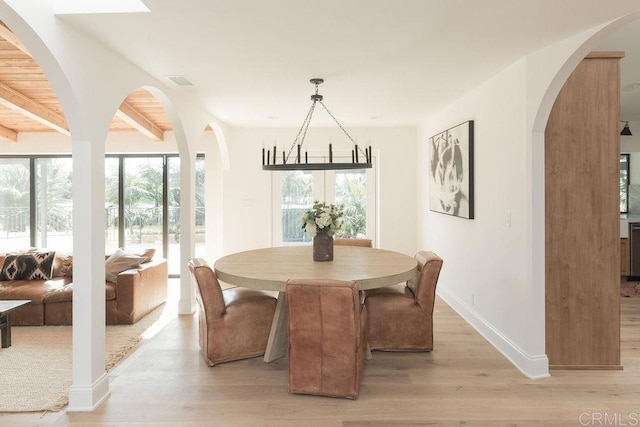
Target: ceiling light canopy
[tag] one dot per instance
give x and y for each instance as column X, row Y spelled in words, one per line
column 270, row 157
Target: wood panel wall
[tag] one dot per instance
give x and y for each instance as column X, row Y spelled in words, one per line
column 582, row 152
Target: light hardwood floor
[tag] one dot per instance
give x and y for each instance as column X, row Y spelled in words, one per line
column 464, row 381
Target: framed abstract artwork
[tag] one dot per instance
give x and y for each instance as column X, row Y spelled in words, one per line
column 451, row 171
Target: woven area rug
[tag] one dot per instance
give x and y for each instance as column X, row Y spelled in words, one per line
column 630, row 289
column 36, row 371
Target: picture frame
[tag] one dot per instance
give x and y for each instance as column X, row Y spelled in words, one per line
column 451, row 171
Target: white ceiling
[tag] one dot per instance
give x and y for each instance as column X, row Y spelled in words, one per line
column 385, row 62
column 627, row 39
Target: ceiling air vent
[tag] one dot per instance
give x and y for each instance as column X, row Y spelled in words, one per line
column 180, row 80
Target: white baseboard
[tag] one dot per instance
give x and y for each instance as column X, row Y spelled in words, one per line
column 86, row 398
column 534, row 367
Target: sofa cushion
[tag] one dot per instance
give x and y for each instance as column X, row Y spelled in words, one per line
column 120, row 261
column 34, row 290
column 147, row 254
column 62, row 264
column 30, row 266
column 65, row 293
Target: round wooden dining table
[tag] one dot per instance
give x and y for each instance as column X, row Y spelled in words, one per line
column 270, row 268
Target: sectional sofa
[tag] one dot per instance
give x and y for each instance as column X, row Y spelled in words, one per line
column 130, row 294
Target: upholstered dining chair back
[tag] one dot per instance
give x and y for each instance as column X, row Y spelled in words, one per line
column 402, row 319
column 353, row 242
column 423, row 287
column 327, row 337
column 233, row 324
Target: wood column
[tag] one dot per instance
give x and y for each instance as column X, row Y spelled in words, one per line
column 582, row 252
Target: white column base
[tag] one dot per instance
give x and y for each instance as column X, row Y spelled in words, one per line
column 186, row 306
column 86, row 398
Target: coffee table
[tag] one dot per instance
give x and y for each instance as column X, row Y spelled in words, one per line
column 6, row 307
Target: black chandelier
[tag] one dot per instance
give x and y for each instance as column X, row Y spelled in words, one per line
column 269, row 157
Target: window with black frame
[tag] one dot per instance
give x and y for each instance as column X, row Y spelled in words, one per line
column 142, row 189
column 624, row 183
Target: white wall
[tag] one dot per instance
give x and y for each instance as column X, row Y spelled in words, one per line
column 484, row 259
column 247, row 188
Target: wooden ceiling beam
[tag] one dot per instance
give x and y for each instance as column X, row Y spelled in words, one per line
column 16, row 101
column 143, row 125
column 11, row 38
column 42, row 114
column 8, row 134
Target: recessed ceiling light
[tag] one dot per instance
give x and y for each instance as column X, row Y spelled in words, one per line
column 376, row 117
column 180, row 80
column 272, row 117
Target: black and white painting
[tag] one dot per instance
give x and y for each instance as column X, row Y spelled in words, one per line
column 451, row 171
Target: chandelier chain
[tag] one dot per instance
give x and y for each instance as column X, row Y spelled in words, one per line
column 307, row 121
column 304, row 127
column 337, row 122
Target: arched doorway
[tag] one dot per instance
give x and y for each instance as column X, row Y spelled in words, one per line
column 581, row 321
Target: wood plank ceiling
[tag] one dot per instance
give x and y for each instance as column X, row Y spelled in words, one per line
column 28, row 103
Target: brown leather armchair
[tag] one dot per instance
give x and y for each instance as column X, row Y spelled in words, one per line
column 352, row 242
column 327, row 337
column 235, row 323
column 402, row 319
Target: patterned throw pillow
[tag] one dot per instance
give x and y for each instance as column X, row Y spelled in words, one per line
column 31, row 266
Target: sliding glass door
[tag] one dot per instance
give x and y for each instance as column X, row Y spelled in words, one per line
column 15, row 195
column 296, row 197
column 54, row 208
column 145, row 191
column 142, row 204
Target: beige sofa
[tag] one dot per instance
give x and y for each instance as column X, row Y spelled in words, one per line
column 135, row 293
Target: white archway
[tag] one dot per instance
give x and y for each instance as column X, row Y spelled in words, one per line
column 89, row 96
column 537, row 144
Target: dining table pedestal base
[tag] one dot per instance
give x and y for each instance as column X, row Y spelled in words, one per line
column 278, row 337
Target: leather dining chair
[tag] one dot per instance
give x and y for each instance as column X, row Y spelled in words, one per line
column 234, row 324
column 402, row 319
column 353, row 242
column 327, row 337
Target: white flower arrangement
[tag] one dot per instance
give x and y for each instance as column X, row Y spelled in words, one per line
column 322, row 217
